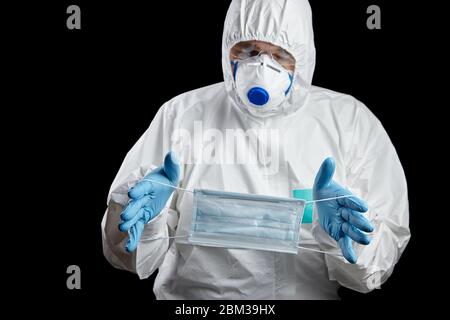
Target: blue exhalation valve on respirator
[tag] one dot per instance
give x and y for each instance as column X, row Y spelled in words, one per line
column 258, row 96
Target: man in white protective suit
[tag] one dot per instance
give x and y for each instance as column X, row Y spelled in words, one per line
column 265, row 130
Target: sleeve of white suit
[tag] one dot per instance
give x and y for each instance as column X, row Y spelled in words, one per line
column 146, row 155
column 375, row 174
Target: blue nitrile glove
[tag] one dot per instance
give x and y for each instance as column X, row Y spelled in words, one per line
column 340, row 218
column 147, row 199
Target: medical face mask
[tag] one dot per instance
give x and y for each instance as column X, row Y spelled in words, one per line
column 246, row 221
column 236, row 220
column 261, row 82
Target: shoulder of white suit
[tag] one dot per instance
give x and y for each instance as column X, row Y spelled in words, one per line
column 185, row 99
column 210, row 96
column 336, row 100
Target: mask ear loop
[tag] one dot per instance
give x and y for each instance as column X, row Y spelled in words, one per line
column 332, row 198
column 187, row 236
column 164, row 238
column 168, row 185
column 191, row 191
column 320, row 251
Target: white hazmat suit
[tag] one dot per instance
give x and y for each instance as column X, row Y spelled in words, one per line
column 313, row 123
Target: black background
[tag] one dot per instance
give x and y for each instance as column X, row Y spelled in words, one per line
column 89, row 94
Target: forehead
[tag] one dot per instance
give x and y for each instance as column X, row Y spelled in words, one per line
column 260, row 45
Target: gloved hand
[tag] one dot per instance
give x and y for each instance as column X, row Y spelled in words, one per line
column 147, row 199
column 342, row 218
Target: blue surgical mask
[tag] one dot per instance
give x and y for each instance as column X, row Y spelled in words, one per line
column 247, row 221
column 237, row 220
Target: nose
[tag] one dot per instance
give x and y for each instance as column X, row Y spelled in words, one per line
column 258, row 96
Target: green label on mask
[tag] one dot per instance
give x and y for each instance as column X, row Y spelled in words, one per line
column 305, row 194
